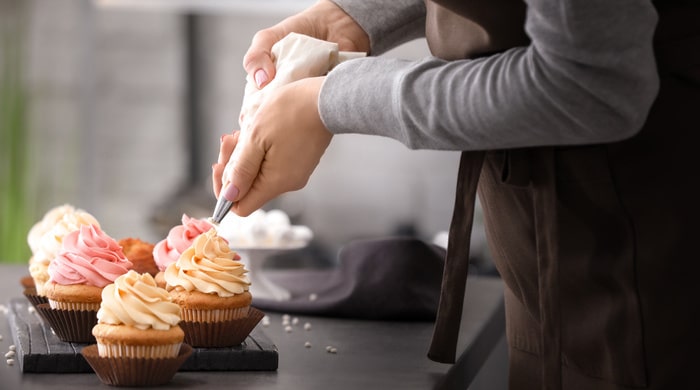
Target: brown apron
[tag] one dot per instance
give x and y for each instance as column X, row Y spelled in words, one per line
column 594, row 243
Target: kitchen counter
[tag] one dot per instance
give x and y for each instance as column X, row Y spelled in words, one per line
column 370, row 354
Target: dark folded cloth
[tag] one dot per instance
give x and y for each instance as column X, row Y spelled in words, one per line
column 381, row 279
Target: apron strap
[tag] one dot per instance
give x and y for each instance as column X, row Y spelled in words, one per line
column 454, row 279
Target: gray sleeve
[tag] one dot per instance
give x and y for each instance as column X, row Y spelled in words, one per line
column 588, row 76
column 388, row 23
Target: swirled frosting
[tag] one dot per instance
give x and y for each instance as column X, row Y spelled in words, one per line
column 51, row 241
column 88, row 256
column 135, row 300
column 208, row 266
column 179, row 238
column 45, row 224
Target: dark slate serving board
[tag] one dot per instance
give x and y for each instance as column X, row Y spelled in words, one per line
column 40, row 350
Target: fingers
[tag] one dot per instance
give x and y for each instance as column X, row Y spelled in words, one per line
column 258, row 61
column 246, row 161
column 228, row 144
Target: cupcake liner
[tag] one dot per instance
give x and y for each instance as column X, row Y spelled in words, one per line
column 34, row 298
column 84, row 306
column 215, row 315
column 73, row 326
column 124, row 371
column 138, row 351
column 223, row 333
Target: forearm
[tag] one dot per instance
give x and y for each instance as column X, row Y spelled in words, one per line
column 388, row 23
column 584, row 79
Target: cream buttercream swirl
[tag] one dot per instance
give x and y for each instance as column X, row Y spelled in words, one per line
column 135, row 300
column 51, row 241
column 179, row 238
column 88, row 256
column 47, row 222
column 208, row 266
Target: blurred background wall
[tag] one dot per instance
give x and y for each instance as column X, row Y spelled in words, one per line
column 108, row 126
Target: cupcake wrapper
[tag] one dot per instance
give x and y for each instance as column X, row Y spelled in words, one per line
column 223, row 333
column 138, row 351
column 71, row 326
column 34, row 298
column 216, row 315
column 124, row 371
column 58, row 305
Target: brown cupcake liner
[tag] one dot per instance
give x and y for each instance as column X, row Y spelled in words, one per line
column 223, row 333
column 124, row 371
column 34, row 298
column 72, row 326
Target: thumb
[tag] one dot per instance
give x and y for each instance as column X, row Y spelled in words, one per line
column 246, row 161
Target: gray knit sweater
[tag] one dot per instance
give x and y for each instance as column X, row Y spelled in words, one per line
column 588, row 76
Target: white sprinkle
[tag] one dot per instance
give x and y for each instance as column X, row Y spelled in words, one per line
column 32, row 309
column 288, row 329
column 295, row 321
column 10, row 354
column 285, row 323
column 333, row 350
column 0, row 337
column 286, row 317
column 313, row 297
column 12, row 348
column 307, row 326
column 10, row 362
column 307, row 345
column 328, row 348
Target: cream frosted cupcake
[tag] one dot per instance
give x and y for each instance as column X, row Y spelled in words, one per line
column 46, row 237
column 211, row 287
column 139, row 341
column 88, row 261
column 137, row 319
column 179, row 238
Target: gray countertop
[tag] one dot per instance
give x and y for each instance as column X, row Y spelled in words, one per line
column 370, row 354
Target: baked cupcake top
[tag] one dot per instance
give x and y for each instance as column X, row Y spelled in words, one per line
column 179, row 238
column 208, row 266
column 50, row 242
column 88, row 256
column 135, row 300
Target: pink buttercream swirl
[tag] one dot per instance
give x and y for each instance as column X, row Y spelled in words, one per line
column 178, row 240
column 88, row 256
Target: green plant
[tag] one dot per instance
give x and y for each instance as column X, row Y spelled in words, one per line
column 15, row 199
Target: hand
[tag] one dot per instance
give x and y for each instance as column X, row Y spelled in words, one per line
column 324, row 20
column 280, row 149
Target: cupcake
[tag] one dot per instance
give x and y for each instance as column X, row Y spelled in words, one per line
column 179, row 238
column 212, row 289
column 46, row 237
column 140, row 253
column 139, row 341
column 88, row 261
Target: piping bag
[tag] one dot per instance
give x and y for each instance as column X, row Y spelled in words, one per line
column 296, row 56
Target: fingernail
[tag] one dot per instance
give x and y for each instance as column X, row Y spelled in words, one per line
column 221, row 140
column 231, row 192
column 260, row 77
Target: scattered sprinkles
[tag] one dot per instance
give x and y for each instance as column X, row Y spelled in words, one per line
column 10, row 354
column 307, row 326
column 307, row 344
column 10, row 362
column 295, row 321
column 313, row 297
column 12, row 348
column 266, row 321
column 331, row 349
column 288, row 329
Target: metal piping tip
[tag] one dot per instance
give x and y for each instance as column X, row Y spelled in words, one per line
column 223, row 205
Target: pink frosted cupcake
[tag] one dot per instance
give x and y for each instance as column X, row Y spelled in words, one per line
column 179, row 238
column 46, row 237
column 88, row 261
